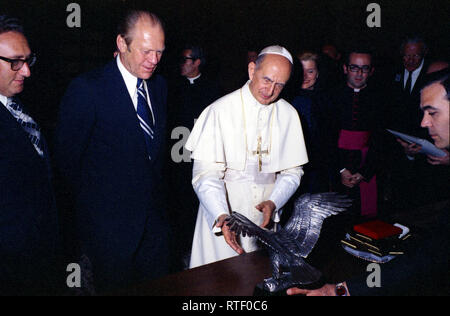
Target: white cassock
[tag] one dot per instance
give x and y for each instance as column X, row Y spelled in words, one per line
column 244, row 153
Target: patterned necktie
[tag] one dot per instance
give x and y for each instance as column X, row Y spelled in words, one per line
column 145, row 117
column 28, row 124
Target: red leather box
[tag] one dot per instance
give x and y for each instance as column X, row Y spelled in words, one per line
column 377, row 229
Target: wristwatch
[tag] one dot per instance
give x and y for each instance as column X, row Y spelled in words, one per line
column 341, row 290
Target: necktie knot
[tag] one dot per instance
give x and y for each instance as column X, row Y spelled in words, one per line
column 12, row 103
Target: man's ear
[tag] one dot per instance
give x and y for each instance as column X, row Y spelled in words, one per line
column 251, row 70
column 197, row 62
column 372, row 71
column 345, row 69
column 121, row 44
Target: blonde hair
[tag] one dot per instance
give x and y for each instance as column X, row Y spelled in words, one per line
column 305, row 56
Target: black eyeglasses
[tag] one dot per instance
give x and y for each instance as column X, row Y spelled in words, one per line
column 17, row 64
column 355, row 68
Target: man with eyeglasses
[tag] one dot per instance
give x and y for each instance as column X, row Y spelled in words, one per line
column 191, row 92
column 354, row 126
column 28, row 217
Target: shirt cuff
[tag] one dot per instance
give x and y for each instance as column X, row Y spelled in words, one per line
column 285, row 186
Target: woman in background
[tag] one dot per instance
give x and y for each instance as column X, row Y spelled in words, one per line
column 312, row 104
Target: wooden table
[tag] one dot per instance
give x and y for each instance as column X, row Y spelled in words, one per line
column 236, row 276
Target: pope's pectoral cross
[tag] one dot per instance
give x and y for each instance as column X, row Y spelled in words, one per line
column 260, row 152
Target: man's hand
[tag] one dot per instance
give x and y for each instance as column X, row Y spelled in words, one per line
column 230, row 237
column 445, row 161
column 267, row 208
column 357, row 178
column 326, row 290
column 410, row 149
column 347, row 179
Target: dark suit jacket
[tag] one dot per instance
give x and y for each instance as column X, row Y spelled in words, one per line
column 405, row 110
column 116, row 190
column 414, row 181
column 28, row 218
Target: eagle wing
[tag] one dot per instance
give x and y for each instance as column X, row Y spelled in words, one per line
column 310, row 210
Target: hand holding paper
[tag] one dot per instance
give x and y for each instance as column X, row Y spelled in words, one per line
column 440, row 160
column 427, row 148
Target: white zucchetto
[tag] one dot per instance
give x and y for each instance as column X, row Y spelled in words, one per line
column 277, row 50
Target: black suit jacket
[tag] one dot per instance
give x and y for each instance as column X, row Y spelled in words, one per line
column 117, row 192
column 405, row 109
column 28, row 218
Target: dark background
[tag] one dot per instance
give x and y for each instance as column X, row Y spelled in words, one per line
column 225, row 28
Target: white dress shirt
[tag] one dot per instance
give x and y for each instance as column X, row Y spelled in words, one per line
column 3, row 99
column 415, row 74
column 131, row 84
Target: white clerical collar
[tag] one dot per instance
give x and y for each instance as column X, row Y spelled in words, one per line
column 130, row 80
column 3, row 99
column 191, row 80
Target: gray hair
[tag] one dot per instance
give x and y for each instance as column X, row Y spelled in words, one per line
column 414, row 39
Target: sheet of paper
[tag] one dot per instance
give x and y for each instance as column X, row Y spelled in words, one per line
column 427, row 147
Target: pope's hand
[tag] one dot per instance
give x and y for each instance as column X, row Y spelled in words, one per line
column 230, row 237
column 267, row 208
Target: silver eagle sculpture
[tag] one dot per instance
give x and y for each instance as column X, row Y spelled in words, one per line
column 292, row 243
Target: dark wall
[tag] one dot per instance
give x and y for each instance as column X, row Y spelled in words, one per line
column 225, row 28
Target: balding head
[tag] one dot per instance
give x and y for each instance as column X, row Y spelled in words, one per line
column 268, row 77
column 128, row 22
column 141, row 43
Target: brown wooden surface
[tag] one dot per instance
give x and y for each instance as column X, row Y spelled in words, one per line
column 236, row 276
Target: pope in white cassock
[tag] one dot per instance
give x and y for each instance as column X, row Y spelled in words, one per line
column 248, row 149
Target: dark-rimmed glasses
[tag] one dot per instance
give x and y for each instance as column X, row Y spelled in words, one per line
column 17, row 64
column 355, row 68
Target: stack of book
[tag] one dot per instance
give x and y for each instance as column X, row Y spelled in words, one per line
column 378, row 238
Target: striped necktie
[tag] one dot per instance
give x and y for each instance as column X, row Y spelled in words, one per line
column 145, row 117
column 28, row 124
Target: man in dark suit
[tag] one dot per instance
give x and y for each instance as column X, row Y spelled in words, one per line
column 407, row 85
column 409, row 167
column 28, row 217
column 109, row 149
column 423, row 270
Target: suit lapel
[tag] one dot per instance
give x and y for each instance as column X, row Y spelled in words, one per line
column 154, row 101
column 121, row 104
